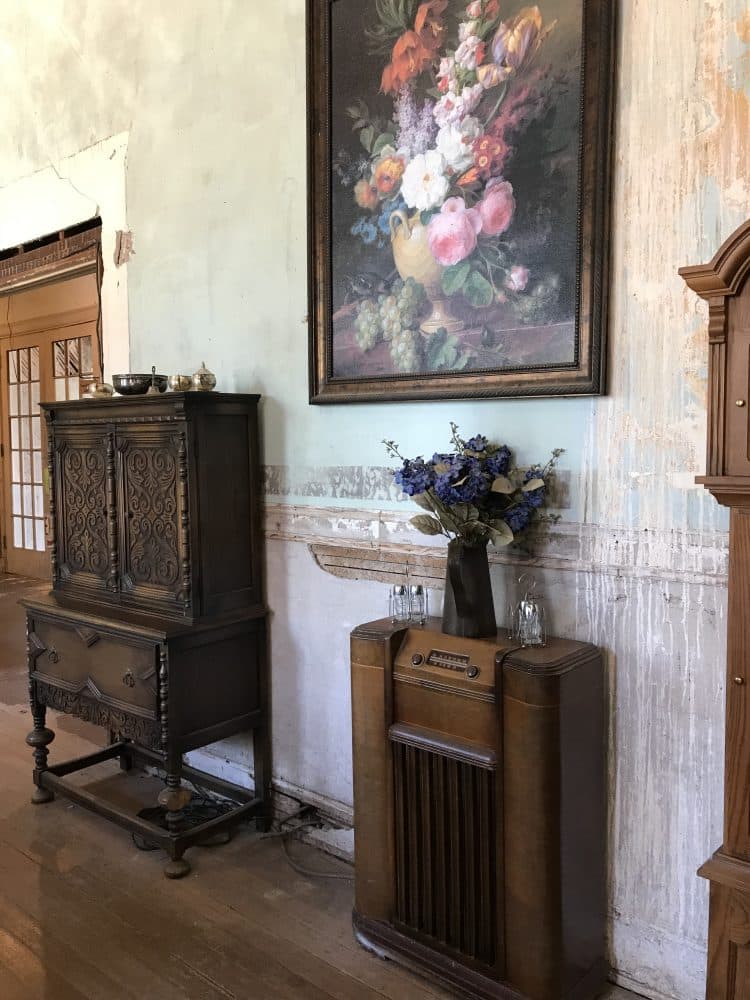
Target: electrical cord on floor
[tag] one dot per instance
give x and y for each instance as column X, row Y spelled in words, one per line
column 285, row 835
column 198, row 810
column 308, row 872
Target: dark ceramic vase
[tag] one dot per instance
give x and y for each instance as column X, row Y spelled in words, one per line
column 468, row 609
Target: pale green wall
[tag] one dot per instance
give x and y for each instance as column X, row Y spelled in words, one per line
column 213, row 97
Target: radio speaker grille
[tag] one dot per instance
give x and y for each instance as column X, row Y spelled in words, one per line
column 445, row 851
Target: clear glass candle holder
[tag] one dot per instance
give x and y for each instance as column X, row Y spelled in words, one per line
column 418, row 603
column 398, row 603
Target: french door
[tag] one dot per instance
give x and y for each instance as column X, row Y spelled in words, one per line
column 54, row 362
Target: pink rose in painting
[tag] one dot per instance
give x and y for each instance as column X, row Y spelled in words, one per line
column 452, row 235
column 497, row 207
column 474, row 9
column 518, row 278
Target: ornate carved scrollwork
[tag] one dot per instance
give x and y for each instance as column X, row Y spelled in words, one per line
column 51, row 500
column 151, row 503
column 185, row 594
column 147, row 732
column 84, row 504
column 114, row 564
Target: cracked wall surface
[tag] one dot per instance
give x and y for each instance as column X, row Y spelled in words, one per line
column 212, row 100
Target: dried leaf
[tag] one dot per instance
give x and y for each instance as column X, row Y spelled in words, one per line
column 426, row 524
column 500, row 534
column 502, row 485
column 533, row 484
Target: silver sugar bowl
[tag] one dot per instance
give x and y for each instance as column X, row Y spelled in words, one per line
column 203, row 380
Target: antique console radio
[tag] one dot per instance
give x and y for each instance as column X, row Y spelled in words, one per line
column 480, row 810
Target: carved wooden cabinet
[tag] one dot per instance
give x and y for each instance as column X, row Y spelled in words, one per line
column 154, row 502
column 725, row 284
column 155, row 628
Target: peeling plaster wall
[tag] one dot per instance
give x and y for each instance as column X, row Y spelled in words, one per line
column 212, row 100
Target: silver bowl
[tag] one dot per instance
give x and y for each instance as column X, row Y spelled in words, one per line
column 137, row 385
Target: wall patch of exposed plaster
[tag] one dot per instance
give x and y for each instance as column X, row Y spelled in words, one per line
column 124, row 249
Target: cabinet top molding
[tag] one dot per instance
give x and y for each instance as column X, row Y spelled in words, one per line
column 195, row 397
column 726, row 271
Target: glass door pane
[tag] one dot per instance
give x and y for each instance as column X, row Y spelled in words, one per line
column 26, row 494
column 72, row 365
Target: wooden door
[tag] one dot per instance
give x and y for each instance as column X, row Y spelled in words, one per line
column 48, row 351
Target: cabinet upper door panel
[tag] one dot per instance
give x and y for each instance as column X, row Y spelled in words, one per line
column 152, row 515
column 82, row 470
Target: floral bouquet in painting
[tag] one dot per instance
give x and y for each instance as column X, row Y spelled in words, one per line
column 465, row 83
column 473, row 495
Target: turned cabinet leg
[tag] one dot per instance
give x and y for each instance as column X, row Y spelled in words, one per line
column 173, row 797
column 176, row 867
column 39, row 739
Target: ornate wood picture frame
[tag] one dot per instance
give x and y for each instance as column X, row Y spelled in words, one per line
column 458, row 197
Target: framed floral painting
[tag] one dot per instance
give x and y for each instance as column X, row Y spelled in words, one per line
column 458, row 197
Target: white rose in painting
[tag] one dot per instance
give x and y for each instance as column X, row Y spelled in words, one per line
column 424, row 184
column 455, row 143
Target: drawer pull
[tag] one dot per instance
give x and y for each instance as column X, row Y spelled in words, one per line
column 128, row 680
column 53, row 655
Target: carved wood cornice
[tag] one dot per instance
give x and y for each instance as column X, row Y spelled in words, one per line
column 717, row 320
column 730, row 491
column 725, row 272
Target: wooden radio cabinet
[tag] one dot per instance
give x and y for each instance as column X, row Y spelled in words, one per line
column 480, row 810
column 155, row 627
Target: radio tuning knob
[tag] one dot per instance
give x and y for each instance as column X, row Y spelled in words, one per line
column 417, row 659
column 472, row 672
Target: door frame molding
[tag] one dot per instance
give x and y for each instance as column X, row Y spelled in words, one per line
column 49, row 272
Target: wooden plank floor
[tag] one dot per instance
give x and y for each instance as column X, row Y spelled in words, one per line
column 85, row 915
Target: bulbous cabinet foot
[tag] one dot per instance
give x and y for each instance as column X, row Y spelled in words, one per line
column 176, row 868
column 39, row 739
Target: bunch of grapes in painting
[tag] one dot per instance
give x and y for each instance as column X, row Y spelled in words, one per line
column 368, row 329
column 393, row 318
column 406, row 351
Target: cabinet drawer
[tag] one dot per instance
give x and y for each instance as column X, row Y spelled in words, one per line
column 81, row 660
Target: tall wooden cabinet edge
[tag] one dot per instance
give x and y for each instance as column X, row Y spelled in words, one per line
column 724, row 283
